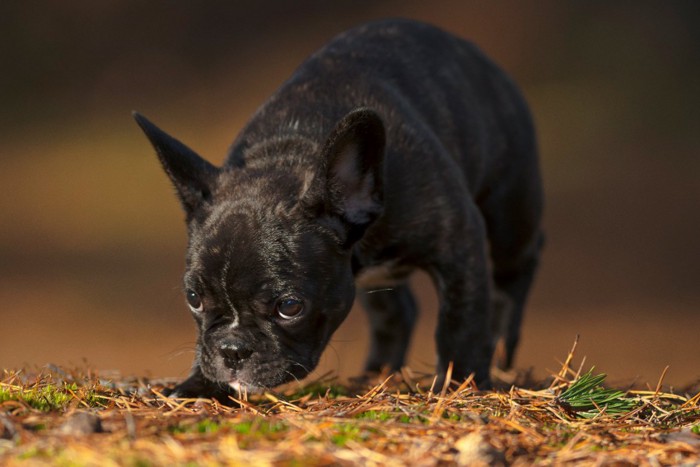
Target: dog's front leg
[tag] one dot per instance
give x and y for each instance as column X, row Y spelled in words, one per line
column 463, row 335
column 196, row 385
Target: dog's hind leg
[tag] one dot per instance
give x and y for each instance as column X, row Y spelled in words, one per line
column 392, row 314
column 512, row 216
column 513, row 279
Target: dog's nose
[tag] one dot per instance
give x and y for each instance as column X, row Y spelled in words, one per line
column 233, row 353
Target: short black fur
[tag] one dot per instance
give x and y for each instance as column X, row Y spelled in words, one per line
column 395, row 147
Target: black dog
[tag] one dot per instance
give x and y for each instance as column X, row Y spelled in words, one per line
column 395, row 147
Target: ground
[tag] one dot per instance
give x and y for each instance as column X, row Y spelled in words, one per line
column 60, row 417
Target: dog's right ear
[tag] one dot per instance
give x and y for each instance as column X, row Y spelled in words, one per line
column 193, row 177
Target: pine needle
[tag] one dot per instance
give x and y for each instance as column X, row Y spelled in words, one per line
column 587, row 398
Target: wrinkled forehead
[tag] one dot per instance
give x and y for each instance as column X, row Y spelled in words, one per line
column 229, row 237
column 253, row 250
column 245, row 248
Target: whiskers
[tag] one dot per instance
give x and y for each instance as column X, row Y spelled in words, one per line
column 183, row 349
column 388, row 289
column 294, row 377
column 294, row 363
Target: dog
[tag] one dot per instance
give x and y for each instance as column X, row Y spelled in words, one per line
column 395, row 147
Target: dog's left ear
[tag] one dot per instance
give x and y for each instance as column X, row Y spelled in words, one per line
column 354, row 168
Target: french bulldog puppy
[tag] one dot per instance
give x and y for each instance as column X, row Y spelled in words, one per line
column 395, row 147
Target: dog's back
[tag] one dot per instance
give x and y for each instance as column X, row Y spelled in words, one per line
column 432, row 89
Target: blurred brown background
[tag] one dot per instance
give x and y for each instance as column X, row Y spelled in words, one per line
column 92, row 238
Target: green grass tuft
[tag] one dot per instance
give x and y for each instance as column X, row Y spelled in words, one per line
column 48, row 397
column 45, row 398
column 587, row 398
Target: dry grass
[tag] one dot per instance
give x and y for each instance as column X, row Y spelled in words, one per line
column 75, row 418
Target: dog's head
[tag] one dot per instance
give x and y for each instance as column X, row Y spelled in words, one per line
column 268, row 273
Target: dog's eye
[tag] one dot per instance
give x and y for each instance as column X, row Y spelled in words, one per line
column 194, row 301
column 289, row 308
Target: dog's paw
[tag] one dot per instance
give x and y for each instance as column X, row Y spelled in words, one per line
column 198, row 387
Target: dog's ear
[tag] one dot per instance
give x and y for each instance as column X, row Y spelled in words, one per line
column 354, row 166
column 192, row 176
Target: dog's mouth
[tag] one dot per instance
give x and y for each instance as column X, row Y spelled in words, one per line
column 243, row 389
column 251, row 376
column 262, row 369
column 244, row 385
